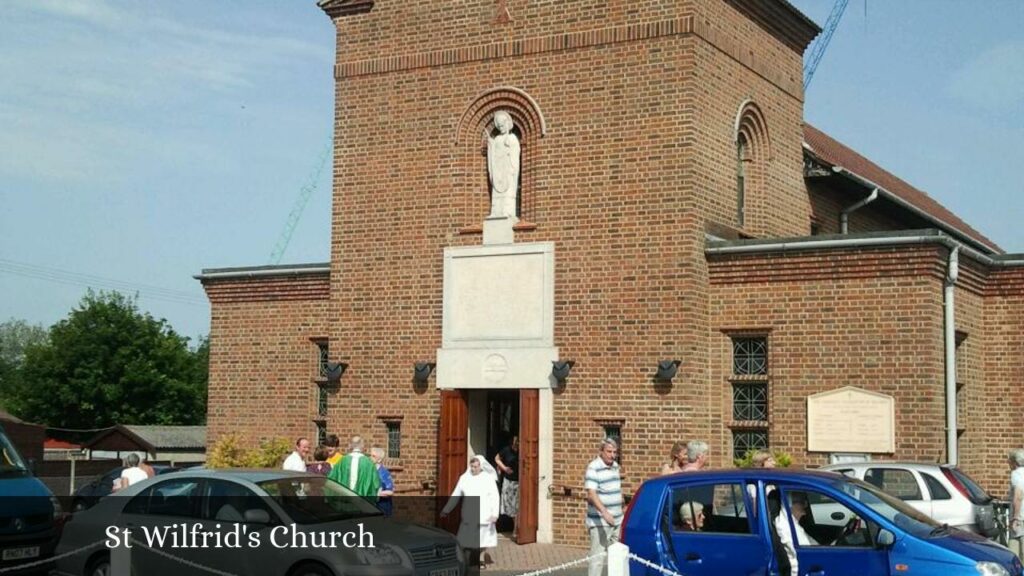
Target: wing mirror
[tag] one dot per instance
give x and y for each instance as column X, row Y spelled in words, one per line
column 885, row 538
column 257, row 516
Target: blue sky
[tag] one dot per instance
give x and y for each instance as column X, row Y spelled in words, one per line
column 143, row 141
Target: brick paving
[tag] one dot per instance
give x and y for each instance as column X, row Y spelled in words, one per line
column 512, row 558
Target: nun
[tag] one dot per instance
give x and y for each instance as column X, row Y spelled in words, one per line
column 477, row 530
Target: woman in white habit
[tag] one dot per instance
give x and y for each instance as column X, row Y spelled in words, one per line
column 477, row 531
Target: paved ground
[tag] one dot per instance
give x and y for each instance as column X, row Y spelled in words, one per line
column 511, row 558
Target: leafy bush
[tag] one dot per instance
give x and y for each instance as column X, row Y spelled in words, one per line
column 782, row 459
column 228, row 452
column 270, row 453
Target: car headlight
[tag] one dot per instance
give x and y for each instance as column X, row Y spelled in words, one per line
column 459, row 554
column 57, row 510
column 386, row 555
column 991, row 569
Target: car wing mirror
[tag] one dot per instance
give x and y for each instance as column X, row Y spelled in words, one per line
column 257, row 516
column 885, row 538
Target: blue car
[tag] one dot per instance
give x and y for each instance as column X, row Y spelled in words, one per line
column 795, row 523
column 30, row 515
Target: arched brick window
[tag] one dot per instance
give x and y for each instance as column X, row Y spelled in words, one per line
column 753, row 149
column 470, row 174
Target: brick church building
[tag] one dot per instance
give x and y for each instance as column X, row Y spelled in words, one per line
column 674, row 214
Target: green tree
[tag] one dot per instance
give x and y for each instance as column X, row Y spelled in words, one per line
column 108, row 363
column 15, row 337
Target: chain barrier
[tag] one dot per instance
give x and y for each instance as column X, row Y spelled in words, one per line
column 50, row 559
column 652, row 565
column 181, row 560
column 563, row 566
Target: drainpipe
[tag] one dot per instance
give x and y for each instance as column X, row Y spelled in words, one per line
column 844, row 216
column 950, row 285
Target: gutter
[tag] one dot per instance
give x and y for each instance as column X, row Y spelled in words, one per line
column 908, row 206
column 952, row 272
column 844, row 216
column 798, row 244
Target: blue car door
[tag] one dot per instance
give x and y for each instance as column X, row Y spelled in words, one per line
column 830, row 537
column 707, row 531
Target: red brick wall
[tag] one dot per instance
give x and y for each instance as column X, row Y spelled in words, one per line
column 640, row 111
column 828, row 202
column 262, row 358
column 866, row 318
column 1001, row 361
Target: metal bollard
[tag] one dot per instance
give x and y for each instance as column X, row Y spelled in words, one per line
column 618, row 559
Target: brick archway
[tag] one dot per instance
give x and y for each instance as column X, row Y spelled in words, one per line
column 470, row 175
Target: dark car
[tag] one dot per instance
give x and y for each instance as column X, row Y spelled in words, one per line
column 87, row 496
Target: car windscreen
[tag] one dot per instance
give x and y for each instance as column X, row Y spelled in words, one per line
column 977, row 493
column 315, row 499
column 11, row 463
column 893, row 509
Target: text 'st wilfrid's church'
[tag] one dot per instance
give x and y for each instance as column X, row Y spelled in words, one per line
column 568, row 220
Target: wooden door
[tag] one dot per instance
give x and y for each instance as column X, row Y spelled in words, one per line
column 529, row 478
column 452, row 451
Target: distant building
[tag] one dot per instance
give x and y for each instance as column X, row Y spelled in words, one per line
column 27, row 438
column 171, row 444
column 710, row 262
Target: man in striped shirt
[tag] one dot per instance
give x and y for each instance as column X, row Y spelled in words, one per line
column 604, row 503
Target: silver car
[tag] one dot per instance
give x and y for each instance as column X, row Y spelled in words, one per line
column 943, row 492
column 244, row 522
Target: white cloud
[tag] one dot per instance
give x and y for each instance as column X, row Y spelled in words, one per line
column 993, row 80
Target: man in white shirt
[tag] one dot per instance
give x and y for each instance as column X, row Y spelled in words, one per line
column 296, row 461
column 132, row 473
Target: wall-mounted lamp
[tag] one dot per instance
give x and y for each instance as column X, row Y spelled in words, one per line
column 421, row 372
column 560, row 369
column 667, row 369
column 334, row 371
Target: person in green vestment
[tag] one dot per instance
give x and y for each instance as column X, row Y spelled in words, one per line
column 357, row 472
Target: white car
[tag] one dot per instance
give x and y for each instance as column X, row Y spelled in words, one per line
column 943, row 492
column 286, row 523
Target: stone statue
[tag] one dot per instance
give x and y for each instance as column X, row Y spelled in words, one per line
column 503, row 167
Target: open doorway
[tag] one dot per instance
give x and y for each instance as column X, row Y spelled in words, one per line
column 485, row 421
column 502, row 431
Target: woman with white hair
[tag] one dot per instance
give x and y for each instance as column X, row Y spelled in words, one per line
column 477, row 530
column 1016, row 498
column 691, row 516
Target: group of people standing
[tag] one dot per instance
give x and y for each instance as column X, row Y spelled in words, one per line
column 478, row 527
column 363, row 474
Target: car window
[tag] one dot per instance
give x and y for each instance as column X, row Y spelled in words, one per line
column 977, row 493
column 847, row 472
column 816, row 519
column 708, row 508
column 177, row 497
column 896, row 481
column 228, row 501
column 935, row 488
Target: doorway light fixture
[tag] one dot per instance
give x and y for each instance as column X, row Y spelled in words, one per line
column 421, row 371
column 560, row 369
column 667, row 370
column 334, row 371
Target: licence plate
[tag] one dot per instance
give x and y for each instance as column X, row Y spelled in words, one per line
column 453, row 571
column 21, row 553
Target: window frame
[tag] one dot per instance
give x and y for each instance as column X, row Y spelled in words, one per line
column 669, row 509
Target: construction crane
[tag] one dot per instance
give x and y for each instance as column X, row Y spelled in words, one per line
column 821, row 44
column 300, row 204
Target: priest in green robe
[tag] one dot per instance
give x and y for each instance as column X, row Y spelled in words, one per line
column 357, row 472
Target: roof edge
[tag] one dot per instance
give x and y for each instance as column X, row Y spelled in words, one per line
column 242, row 272
column 781, row 19
column 867, row 240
